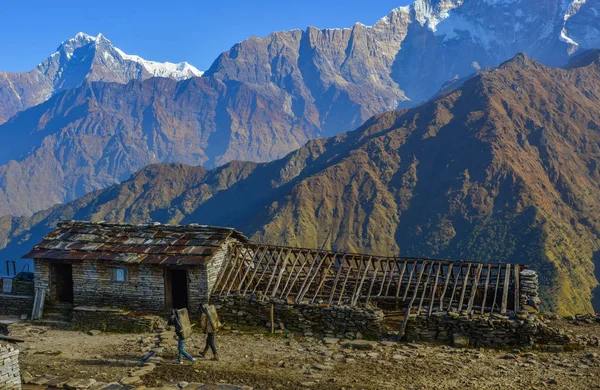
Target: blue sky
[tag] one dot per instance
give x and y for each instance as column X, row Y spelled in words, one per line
column 193, row 31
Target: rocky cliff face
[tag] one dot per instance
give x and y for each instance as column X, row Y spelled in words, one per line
column 77, row 60
column 505, row 167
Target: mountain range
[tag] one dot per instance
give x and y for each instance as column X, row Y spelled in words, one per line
column 83, row 58
column 263, row 98
column 506, row 167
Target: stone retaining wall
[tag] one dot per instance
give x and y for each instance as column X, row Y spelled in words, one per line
column 10, row 376
column 340, row 321
column 19, row 301
column 492, row 331
column 109, row 319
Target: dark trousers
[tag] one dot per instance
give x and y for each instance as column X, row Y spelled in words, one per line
column 210, row 343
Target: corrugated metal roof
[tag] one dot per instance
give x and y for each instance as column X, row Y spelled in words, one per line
column 148, row 243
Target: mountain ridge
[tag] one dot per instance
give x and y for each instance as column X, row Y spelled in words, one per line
column 78, row 59
column 505, row 167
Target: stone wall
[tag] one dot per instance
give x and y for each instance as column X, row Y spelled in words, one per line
column 488, row 330
column 10, row 376
column 144, row 289
column 109, row 319
column 341, row 321
column 529, row 290
column 19, row 301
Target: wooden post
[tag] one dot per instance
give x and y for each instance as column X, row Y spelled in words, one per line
column 272, row 318
column 464, row 288
column 281, row 272
column 474, row 288
column 345, row 281
column 412, row 301
column 323, row 278
column 517, row 294
column 256, row 266
column 437, row 276
column 487, row 283
column 226, row 266
column 292, row 272
column 275, row 270
column 412, row 271
column 296, row 276
column 450, row 272
column 391, row 271
column 357, row 295
column 336, row 280
column 425, row 288
column 400, row 278
column 460, row 270
column 497, row 284
column 374, row 276
column 505, row 291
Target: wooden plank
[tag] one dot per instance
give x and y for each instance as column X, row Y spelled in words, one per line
column 455, row 284
column 387, row 269
column 275, row 270
column 487, row 283
column 345, row 281
column 410, row 276
column 357, row 296
column 425, row 288
column 324, row 277
column 412, row 301
column 505, row 291
column 437, row 277
column 373, row 278
column 258, row 260
column 225, row 267
column 391, row 271
column 231, row 264
column 497, row 285
column 281, row 272
column 311, row 277
column 517, row 296
column 336, row 280
column 265, row 270
column 400, row 278
column 464, row 288
column 359, row 267
column 450, row 272
column 474, row 288
column 296, row 276
column 292, row 272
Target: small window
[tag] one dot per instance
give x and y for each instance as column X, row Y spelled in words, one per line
column 118, row 274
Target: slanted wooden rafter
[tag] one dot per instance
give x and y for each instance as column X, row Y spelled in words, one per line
column 427, row 286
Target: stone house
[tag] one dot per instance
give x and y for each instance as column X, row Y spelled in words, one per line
column 147, row 268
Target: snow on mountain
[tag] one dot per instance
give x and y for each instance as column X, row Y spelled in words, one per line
column 180, row 71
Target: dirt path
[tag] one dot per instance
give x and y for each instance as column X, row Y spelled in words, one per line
column 288, row 362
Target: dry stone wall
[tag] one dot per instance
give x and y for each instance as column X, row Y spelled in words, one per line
column 342, row 321
column 114, row 320
column 10, row 376
column 19, row 300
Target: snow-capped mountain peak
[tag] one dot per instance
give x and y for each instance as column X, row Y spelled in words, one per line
column 115, row 57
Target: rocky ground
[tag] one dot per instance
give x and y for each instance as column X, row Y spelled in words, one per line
column 255, row 359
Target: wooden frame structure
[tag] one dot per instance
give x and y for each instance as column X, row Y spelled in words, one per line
column 329, row 278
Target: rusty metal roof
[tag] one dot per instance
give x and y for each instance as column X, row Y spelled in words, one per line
column 148, row 243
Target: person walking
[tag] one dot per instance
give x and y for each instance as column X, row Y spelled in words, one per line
column 181, row 336
column 209, row 324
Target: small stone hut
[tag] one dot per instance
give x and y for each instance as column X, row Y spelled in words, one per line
column 147, row 268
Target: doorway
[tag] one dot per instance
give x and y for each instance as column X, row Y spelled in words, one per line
column 176, row 288
column 63, row 282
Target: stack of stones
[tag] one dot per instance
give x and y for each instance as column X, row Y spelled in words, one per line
column 19, row 301
column 306, row 318
column 114, row 320
column 10, row 377
column 528, row 289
